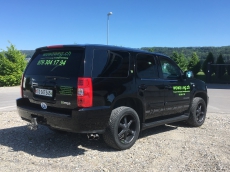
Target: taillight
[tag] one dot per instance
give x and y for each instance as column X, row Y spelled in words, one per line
column 22, row 80
column 84, row 92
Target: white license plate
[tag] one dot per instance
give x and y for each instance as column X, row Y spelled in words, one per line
column 44, row 92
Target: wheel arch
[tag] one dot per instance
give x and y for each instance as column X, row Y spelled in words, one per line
column 133, row 103
column 203, row 96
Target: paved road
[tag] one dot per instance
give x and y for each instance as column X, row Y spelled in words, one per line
column 8, row 96
column 219, row 98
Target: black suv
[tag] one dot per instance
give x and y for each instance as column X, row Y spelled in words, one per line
column 114, row 91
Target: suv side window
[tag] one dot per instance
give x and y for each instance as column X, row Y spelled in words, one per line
column 146, row 66
column 169, row 69
column 110, row 64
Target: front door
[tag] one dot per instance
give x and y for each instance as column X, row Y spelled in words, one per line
column 176, row 89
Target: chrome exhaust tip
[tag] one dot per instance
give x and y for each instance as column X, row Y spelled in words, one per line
column 33, row 125
column 93, row 136
column 90, row 136
column 96, row 137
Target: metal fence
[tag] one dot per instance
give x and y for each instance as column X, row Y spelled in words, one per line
column 218, row 73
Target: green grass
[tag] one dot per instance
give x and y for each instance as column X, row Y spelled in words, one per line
column 201, row 76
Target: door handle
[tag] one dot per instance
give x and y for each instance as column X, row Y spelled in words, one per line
column 169, row 87
column 143, row 87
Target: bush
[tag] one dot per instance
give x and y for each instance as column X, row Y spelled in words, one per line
column 12, row 65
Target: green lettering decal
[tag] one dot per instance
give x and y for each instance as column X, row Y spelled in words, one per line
column 41, row 62
column 61, row 62
column 181, row 90
column 48, row 62
column 56, row 62
column 58, row 54
column 54, row 58
column 65, row 90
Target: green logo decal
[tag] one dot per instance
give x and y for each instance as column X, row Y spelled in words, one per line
column 181, row 90
column 65, row 103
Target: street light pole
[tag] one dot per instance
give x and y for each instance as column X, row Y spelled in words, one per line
column 110, row 13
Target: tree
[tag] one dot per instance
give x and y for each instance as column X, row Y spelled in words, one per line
column 209, row 59
column 183, row 62
column 194, row 64
column 175, row 57
column 151, row 50
column 220, row 70
column 180, row 60
column 12, row 65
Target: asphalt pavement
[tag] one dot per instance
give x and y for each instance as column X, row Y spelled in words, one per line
column 219, row 98
column 8, row 96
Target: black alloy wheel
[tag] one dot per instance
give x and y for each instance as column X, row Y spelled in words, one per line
column 123, row 129
column 200, row 113
column 197, row 112
column 127, row 129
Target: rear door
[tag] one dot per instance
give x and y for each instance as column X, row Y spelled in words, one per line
column 150, row 87
column 51, row 77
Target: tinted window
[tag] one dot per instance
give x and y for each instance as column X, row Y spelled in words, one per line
column 169, row 69
column 146, row 66
column 56, row 63
column 110, row 64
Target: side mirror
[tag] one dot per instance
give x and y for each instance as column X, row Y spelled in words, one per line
column 189, row 74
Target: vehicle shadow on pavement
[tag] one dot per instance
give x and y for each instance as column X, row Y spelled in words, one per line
column 156, row 130
column 43, row 142
column 48, row 144
column 164, row 128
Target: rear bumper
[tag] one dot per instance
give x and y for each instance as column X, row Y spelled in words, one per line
column 85, row 120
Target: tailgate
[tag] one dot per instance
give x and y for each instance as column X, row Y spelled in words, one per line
column 51, row 78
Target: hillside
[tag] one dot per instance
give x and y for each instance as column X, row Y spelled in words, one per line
column 28, row 53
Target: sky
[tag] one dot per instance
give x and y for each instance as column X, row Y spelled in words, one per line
column 29, row 24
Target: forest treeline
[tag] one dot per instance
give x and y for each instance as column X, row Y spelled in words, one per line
column 202, row 52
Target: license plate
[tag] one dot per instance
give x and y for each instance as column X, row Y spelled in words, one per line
column 44, row 92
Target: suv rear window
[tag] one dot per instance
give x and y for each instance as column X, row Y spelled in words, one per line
column 65, row 63
column 110, row 64
column 146, row 66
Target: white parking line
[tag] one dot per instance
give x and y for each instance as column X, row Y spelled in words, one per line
column 7, row 107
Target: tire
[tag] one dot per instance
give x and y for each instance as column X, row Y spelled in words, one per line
column 197, row 112
column 123, row 128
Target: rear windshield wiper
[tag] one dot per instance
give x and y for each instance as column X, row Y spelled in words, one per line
column 56, row 77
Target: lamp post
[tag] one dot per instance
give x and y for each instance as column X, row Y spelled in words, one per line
column 110, row 13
